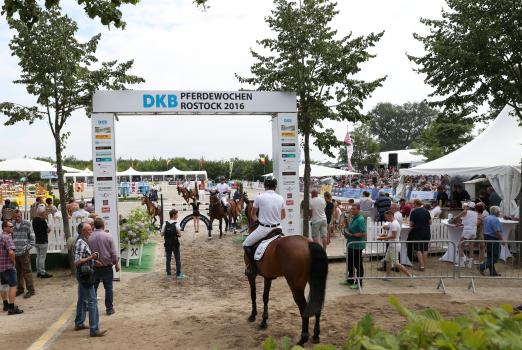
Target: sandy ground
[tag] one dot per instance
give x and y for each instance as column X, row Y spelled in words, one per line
column 209, row 310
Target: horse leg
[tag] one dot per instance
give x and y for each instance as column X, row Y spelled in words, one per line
column 221, row 228
column 317, row 328
column 266, row 293
column 300, row 300
column 253, row 314
column 210, row 231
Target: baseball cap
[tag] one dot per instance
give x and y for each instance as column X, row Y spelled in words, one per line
column 470, row 205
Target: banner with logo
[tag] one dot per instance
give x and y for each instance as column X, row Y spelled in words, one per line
column 104, row 175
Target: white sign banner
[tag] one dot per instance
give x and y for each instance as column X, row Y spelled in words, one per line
column 104, row 174
column 193, row 102
column 286, row 168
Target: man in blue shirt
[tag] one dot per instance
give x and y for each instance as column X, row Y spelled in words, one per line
column 492, row 234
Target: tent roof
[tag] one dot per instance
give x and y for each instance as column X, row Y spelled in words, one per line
column 84, row 173
column 26, row 165
column 129, row 172
column 496, row 151
column 322, row 171
column 403, row 156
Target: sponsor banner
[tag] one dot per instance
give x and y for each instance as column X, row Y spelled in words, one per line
column 186, row 102
column 104, row 174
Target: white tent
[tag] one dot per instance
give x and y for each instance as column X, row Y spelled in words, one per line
column 26, row 165
column 129, row 172
column 83, row 173
column 322, row 171
column 496, row 153
column 404, row 156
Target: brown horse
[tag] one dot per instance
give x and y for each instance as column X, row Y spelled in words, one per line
column 300, row 262
column 153, row 209
column 187, row 194
column 234, row 210
column 216, row 211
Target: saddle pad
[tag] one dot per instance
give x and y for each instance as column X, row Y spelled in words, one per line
column 260, row 251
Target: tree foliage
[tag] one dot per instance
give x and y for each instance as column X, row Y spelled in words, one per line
column 108, row 11
column 445, row 134
column 397, row 127
column 307, row 56
column 474, row 55
column 58, row 70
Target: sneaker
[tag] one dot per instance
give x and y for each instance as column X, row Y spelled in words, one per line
column 470, row 263
column 181, row 276
column 46, row 275
column 346, row 283
column 110, row 312
column 28, row 295
column 354, row 286
column 15, row 311
column 6, row 307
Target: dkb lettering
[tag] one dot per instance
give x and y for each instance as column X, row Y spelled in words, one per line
column 158, row 101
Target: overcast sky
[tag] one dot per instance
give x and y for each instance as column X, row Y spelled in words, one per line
column 177, row 46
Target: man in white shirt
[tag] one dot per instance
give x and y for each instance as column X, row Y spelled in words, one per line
column 223, row 189
column 318, row 219
column 435, row 210
column 80, row 214
column 392, row 254
column 271, row 210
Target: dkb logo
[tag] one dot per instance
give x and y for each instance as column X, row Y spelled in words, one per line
column 160, row 101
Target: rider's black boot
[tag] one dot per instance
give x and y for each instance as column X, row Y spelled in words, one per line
column 251, row 268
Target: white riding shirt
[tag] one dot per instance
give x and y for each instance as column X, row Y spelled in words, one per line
column 270, row 205
column 222, row 190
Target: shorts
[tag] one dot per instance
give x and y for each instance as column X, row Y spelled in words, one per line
column 319, row 229
column 8, row 277
column 392, row 254
column 469, row 235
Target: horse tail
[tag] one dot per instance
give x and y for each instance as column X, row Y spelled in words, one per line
column 318, row 274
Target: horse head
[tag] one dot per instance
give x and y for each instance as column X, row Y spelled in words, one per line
column 144, row 200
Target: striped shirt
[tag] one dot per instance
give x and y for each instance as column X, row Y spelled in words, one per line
column 82, row 250
column 23, row 237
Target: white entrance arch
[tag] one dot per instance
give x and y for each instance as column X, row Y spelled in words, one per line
column 285, row 148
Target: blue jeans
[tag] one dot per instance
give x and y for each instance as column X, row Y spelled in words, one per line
column 168, row 252
column 87, row 302
column 493, row 252
column 105, row 275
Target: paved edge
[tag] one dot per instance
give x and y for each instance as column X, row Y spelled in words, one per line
column 54, row 330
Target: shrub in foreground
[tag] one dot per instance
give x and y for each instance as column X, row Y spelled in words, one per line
column 482, row 329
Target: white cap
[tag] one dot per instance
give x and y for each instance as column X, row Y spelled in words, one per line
column 470, row 205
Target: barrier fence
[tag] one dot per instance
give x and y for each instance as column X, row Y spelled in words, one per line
column 488, row 259
column 397, row 257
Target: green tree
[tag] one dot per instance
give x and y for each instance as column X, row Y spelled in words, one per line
column 397, row 127
column 57, row 69
column 107, row 11
column 445, row 134
column 365, row 150
column 474, row 56
column 308, row 57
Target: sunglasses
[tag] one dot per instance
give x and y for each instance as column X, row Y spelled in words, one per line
column 10, row 226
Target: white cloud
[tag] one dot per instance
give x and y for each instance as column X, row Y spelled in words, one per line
column 178, row 46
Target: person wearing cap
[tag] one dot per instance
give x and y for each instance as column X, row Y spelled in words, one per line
column 469, row 218
column 270, row 208
column 223, row 189
column 171, row 231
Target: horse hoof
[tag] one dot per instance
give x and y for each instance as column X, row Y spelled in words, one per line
column 315, row 340
column 263, row 325
column 302, row 341
column 251, row 318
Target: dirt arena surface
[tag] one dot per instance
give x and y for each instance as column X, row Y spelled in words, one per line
column 210, row 308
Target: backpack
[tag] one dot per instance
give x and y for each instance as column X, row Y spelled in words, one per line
column 171, row 235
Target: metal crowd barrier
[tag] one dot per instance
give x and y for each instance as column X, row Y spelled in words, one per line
column 506, row 258
column 374, row 254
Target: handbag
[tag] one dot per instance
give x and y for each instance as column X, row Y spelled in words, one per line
column 86, row 275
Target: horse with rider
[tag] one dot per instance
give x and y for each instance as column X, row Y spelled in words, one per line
column 294, row 257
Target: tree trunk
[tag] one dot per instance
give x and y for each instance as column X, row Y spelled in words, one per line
column 61, row 186
column 306, row 190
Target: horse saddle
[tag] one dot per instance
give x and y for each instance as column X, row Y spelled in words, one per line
column 263, row 245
